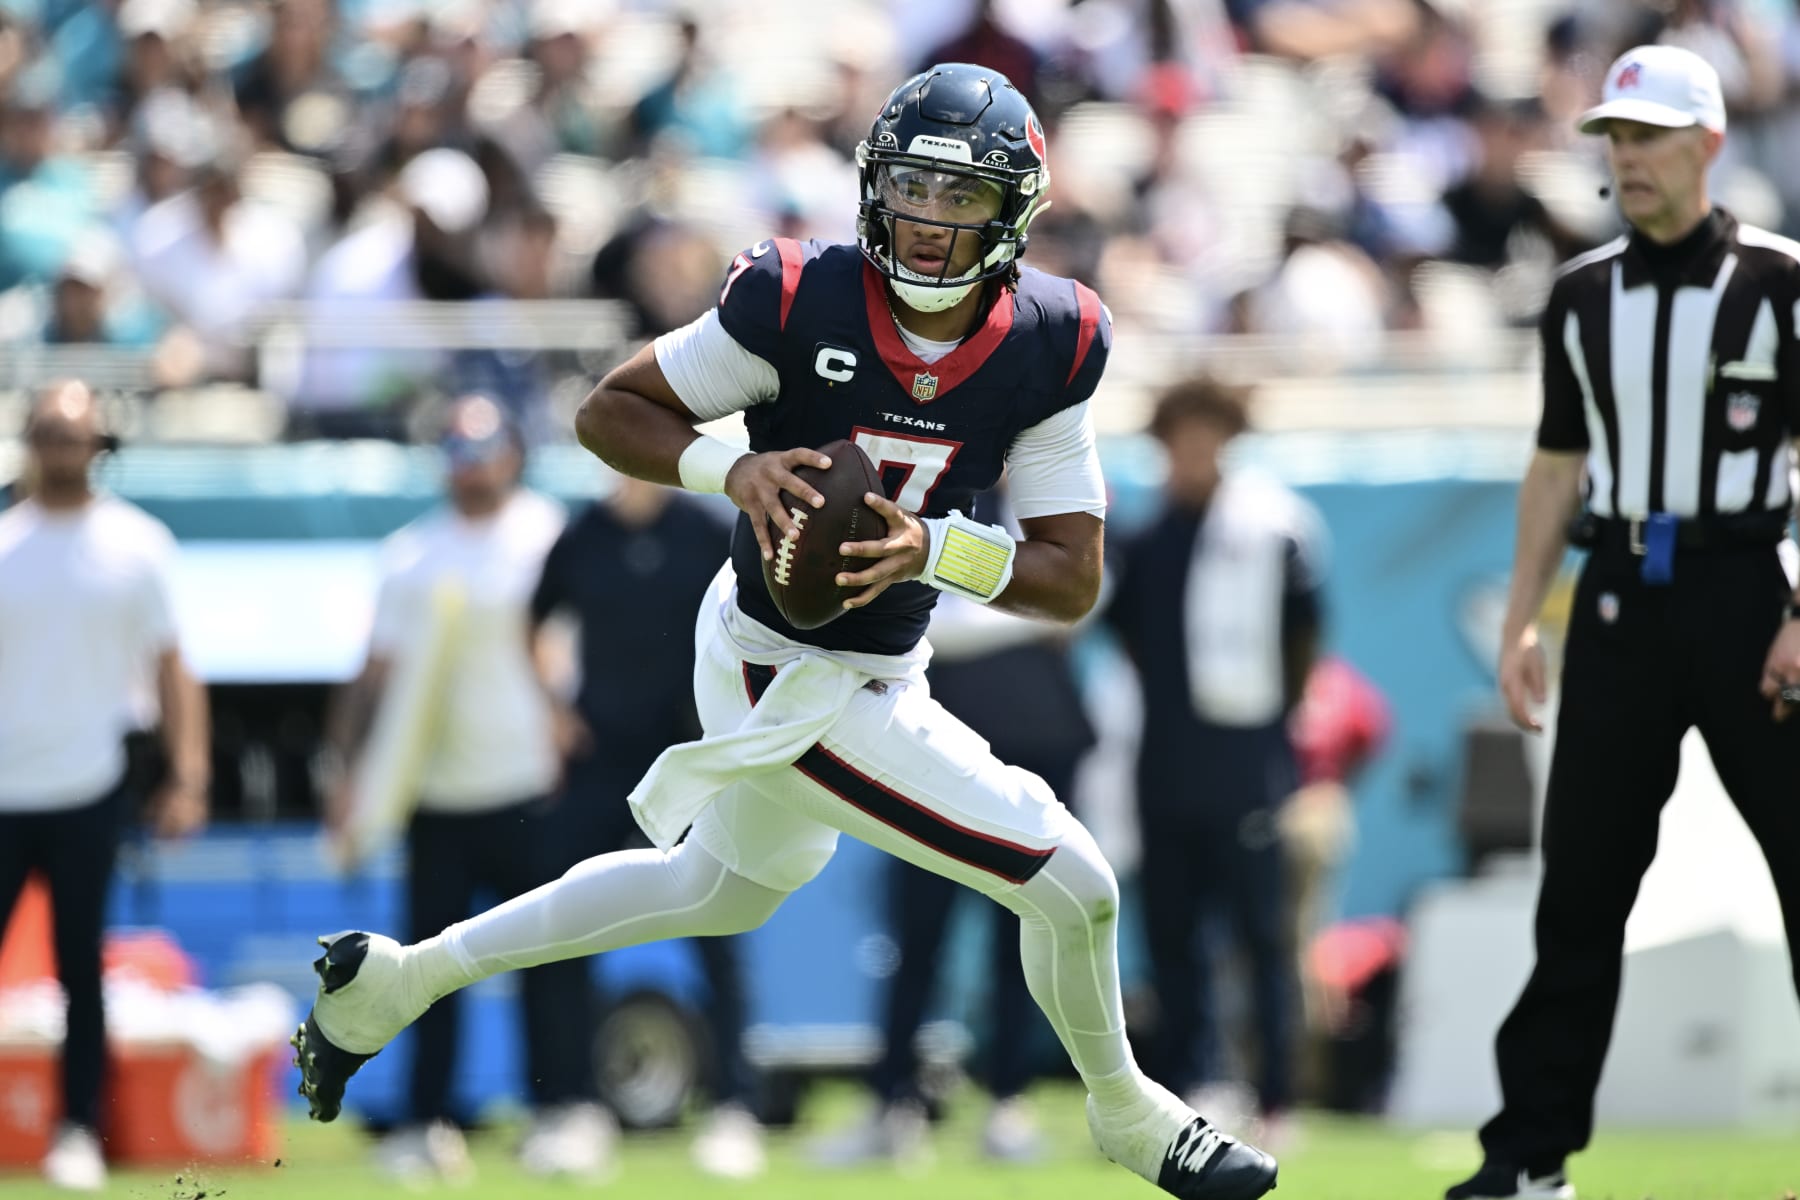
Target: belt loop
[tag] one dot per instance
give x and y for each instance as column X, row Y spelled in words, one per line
column 1636, row 537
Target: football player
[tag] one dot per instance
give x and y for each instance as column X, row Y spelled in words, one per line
column 929, row 346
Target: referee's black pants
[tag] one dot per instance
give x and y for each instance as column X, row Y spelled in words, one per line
column 452, row 856
column 75, row 850
column 1643, row 665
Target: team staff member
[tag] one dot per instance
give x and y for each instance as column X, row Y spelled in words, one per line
column 1672, row 374
column 85, row 620
column 629, row 570
column 1219, row 605
column 487, row 776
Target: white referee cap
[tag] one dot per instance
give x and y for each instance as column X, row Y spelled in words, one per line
column 1659, row 85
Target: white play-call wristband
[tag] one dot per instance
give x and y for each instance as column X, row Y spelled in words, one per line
column 705, row 463
column 968, row 558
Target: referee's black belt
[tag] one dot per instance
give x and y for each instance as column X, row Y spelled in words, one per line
column 1736, row 531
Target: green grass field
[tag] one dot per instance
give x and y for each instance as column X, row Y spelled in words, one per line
column 1335, row 1159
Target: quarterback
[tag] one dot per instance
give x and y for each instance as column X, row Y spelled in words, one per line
column 928, row 345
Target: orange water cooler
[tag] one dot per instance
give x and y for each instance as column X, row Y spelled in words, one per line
column 163, row 1103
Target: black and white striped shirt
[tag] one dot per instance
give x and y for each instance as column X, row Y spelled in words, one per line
column 1677, row 369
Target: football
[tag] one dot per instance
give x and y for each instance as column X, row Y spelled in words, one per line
column 802, row 577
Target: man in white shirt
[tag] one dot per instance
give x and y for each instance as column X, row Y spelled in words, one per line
column 85, row 622
column 489, row 767
column 216, row 260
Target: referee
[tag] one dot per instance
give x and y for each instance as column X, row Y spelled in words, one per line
column 1671, row 401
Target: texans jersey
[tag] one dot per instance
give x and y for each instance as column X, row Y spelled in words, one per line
column 937, row 432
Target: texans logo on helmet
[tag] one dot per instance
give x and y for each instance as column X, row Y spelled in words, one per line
column 1034, row 136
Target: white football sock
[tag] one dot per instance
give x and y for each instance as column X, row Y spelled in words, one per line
column 604, row 903
column 1068, row 917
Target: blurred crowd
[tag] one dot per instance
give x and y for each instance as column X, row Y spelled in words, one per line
column 178, row 178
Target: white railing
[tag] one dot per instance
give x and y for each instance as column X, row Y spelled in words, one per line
column 1410, row 380
column 449, row 325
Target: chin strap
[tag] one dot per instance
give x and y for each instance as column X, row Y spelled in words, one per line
column 922, row 294
column 967, row 558
column 928, row 299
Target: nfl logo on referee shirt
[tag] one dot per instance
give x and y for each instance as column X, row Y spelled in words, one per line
column 1740, row 411
column 924, row 386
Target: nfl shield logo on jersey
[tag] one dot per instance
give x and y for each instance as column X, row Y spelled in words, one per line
column 924, row 386
column 1740, row 411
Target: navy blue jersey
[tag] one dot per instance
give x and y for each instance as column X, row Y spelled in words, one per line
column 939, row 432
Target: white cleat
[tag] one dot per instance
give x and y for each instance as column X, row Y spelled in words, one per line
column 422, row 1154
column 74, row 1162
column 575, row 1141
column 365, row 999
column 898, row 1133
column 1011, row 1133
column 730, row 1144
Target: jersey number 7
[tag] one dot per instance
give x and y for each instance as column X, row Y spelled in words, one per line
column 743, row 262
column 921, row 461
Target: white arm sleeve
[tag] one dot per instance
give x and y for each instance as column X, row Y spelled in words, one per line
column 711, row 372
column 1054, row 467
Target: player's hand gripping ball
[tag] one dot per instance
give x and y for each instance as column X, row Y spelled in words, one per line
column 802, row 576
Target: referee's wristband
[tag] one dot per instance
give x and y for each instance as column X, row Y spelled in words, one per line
column 705, row 463
column 967, row 558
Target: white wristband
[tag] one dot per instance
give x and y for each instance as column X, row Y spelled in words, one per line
column 967, row 558
column 705, row 463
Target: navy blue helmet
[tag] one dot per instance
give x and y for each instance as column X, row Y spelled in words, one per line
column 956, row 146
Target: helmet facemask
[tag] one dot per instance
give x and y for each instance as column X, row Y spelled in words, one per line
column 988, row 206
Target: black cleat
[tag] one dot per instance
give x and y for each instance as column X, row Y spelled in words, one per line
column 1204, row 1164
column 1504, row 1181
column 324, row 1068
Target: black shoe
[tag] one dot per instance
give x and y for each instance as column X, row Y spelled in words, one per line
column 1505, row 1181
column 325, row 1069
column 1204, row 1164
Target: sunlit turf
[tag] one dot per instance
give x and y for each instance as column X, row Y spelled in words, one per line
column 1332, row 1158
